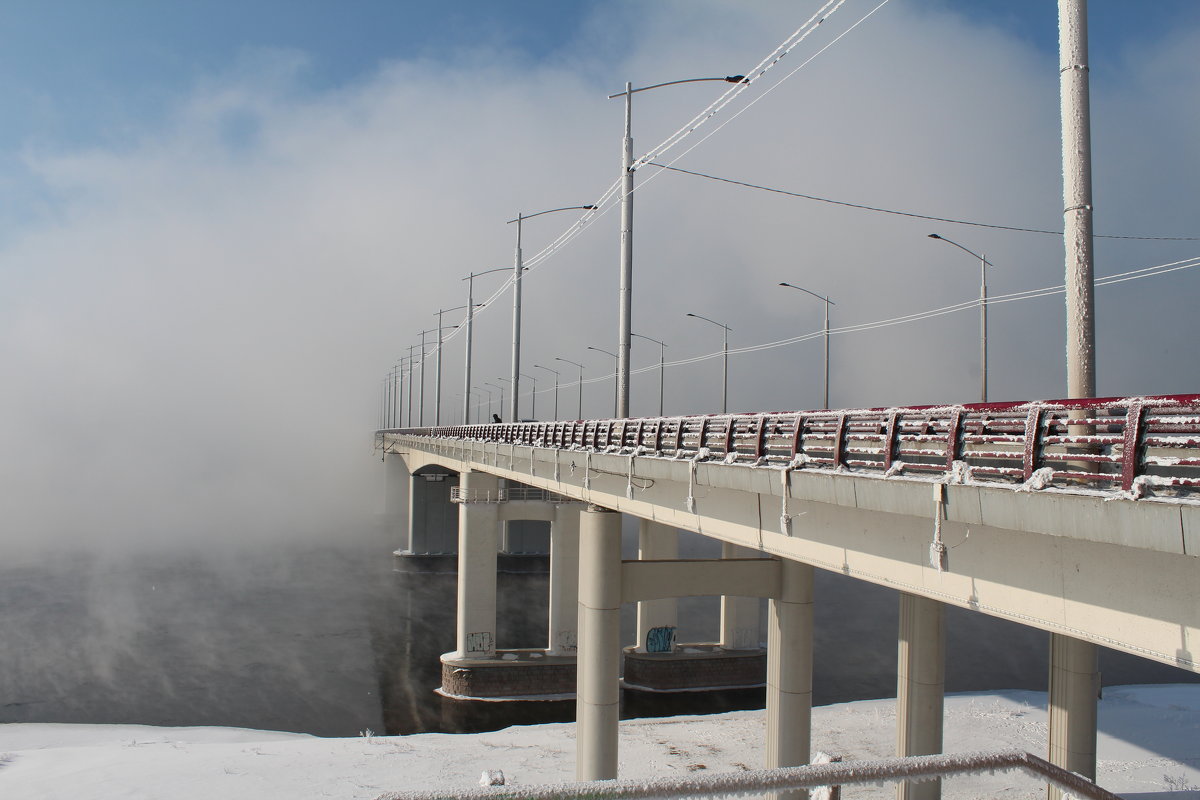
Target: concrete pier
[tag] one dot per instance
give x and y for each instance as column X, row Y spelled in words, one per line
column 789, row 668
column 1073, row 695
column 656, row 542
column 563, row 635
column 740, row 616
column 478, row 540
column 598, row 693
column 920, row 688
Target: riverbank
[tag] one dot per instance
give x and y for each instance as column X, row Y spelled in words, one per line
column 1149, row 750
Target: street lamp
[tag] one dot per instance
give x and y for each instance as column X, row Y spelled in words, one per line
column 437, row 330
column 499, row 388
column 616, row 359
column 827, row 303
column 491, row 397
column 517, row 270
column 725, row 360
column 983, row 265
column 662, row 356
column 576, row 363
column 532, row 395
column 470, row 279
column 556, row 374
column 625, row 297
column 437, row 380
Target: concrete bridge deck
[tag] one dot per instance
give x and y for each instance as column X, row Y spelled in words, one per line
column 1081, row 518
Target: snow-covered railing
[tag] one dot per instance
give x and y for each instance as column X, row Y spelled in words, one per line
column 504, row 495
column 1141, row 445
column 756, row 782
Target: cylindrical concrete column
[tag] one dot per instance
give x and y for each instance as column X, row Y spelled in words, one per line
column 599, row 659
column 920, row 688
column 478, row 533
column 740, row 616
column 656, row 542
column 564, row 580
column 396, row 494
column 789, row 669
column 1074, row 688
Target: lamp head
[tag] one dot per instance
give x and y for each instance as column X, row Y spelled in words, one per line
column 934, row 236
column 736, row 79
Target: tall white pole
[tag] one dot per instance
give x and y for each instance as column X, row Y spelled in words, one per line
column 983, row 392
column 516, row 339
column 1077, row 197
column 662, row 363
column 826, row 405
column 467, row 357
column 437, row 376
column 422, row 404
column 725, row 372
column 625, row 313
column 1074, row 664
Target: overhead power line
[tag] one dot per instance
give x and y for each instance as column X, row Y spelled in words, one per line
column 911, row 214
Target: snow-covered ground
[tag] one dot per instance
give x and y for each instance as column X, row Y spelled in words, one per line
column 1149, row 748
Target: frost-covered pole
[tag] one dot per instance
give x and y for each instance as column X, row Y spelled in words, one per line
column 470, row 279
column 1074, row 668
column 516, row 337
column 625, row 311
column 1077, row 197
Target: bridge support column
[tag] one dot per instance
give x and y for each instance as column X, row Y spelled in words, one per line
column 656, row 542
column 1074, row 688
column 478, row 532
column 789, row 669
column 739, row 615
column 599, row 660
column 564, row 580
column 920, row 688
column 397, row 492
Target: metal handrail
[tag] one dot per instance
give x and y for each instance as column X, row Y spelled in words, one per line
column 1141, row 445
column 505, row 495
column 755, row 782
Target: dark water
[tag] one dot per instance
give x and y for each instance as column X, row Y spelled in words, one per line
column 337, row 640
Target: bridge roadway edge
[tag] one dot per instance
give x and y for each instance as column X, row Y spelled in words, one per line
column 1118, row 572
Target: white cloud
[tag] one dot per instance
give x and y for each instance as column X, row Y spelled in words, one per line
column 194, row 341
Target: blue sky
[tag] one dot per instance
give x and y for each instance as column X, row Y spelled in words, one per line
column 221, row 220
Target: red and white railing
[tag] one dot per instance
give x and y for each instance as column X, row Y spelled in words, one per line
column 1142, row 445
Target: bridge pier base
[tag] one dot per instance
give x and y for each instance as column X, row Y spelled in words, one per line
column 739, row 615
column 598, row 700
column 564, row 581
column 478, row 531
column 396, row 497
column 1074, row 689
column 920, row 688
column 789, row 669
column 656, row 542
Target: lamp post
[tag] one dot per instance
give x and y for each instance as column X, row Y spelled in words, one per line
column 437, row 380
column 517, row 270
column 576, row 363
column 490, row 398
column 725, row 362
column 556, row 374
column 411, row 362
column 983, row 265
column 625, row 297
column 498, row 388
column 532, row 395
column 470, row 279
column 438, row 370
column 616, row 388
column 827, row 303
column 662, row 362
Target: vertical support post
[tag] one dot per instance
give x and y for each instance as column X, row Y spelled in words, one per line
column 478, row 526
column 564, row 580
column 739, row 615
column 625, row 301
column 789, row 669
column 656, row 542
column 597, row 692
column 1074, row 671
column 397, row 498
column 920, row 688
column 1074, row 687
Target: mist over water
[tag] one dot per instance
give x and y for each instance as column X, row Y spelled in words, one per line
column 337, row 639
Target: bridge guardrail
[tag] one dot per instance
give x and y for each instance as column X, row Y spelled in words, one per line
column 505, row 494
column 1140, row 445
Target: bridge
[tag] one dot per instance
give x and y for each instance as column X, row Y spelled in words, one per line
column 1078, row 517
